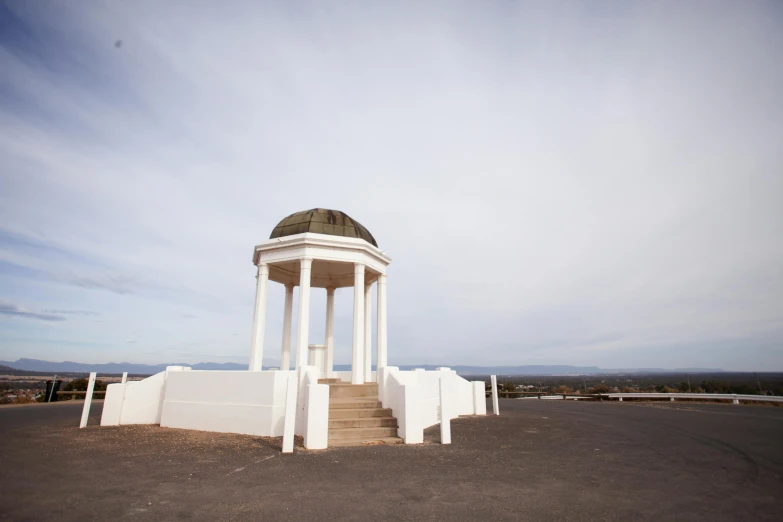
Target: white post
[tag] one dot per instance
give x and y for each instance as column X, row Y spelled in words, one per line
column 735, row 400
column 259, row 318
column 621, row 399
column 329, row 341
column 357, row 364
column 380, row 360
column 367, row 333
column 495, row 408
column 445, row 420
column 87, row 400
column 124, row 377
column 303, row 328
column 285, row 352
column 290, row 413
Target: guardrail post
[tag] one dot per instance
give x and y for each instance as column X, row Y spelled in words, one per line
column 671, row 398
column 87, row 400
column 621, row 399
column 735, row 400
column 495, row 408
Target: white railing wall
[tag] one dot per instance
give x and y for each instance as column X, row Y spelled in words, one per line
column 417, row 402
column 404, row 399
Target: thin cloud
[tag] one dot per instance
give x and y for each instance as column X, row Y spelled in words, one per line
column 552, row 184
column 12, row 310
column 73, row 312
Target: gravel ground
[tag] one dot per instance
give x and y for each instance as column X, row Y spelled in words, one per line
column 539, row 460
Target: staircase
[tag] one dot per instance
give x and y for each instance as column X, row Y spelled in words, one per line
column 356, row 416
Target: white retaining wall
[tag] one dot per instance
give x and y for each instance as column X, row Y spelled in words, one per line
column 414, row 397
column 247, row 402
column 137, row 402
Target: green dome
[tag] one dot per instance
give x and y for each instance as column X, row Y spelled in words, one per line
column 322, row 221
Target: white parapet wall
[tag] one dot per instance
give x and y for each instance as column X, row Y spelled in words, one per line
column 247, row 402
column 414, row 397
column 137, row 402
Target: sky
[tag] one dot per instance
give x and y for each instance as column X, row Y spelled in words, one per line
column 586, row 183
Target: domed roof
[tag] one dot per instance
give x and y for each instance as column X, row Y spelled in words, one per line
column 322, row 221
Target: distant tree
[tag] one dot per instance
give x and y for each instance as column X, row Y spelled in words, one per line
column 562, row 389
column 81, row 385
column 601, row 388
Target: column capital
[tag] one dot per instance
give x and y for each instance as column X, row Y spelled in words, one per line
column 381, row 279
column 358, row 268
column 306, row 262
column 289, row 286
column 263, row 268
column 330, row 290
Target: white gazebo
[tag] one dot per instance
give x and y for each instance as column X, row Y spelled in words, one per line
column 322, row 248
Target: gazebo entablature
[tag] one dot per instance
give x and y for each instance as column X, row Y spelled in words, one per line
column 322, row 261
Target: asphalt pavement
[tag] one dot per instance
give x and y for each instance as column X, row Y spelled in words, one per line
column 538, row 460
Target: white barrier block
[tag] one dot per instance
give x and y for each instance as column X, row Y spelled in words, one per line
column 124, row 377
column 479, row 398
column 495, row 408
column 112, row 404
column 316, row 434
column 87, row 400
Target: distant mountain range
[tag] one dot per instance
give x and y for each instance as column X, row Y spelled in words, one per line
column 149, row 369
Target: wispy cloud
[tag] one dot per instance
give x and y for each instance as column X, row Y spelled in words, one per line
column 553, row 184
column 72, row 312
column 12, row 310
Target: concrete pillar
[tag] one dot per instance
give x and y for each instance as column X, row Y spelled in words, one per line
column 367, row 334
column 259, row 318
column 357, row 363
column 381, row 360
column 329, row 341
column 285, row 352
column 303, row 326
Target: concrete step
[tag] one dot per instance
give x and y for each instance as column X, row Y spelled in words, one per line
column 362, row 433
column 354, row 403
column 330, row 381
column 362, row 442
column 364, row 422
column 353, row 390
column 357, row 413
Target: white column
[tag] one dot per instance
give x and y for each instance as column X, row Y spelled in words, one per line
column 303, row 327
column 367, row 333
column 285, row 351
column 329, row 341
column 259, row 318
column 357, row 366
column 381, row 360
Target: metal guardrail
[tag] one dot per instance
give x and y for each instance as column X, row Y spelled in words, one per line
column 79, row 392
column 507, row 394
column 735, row 398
